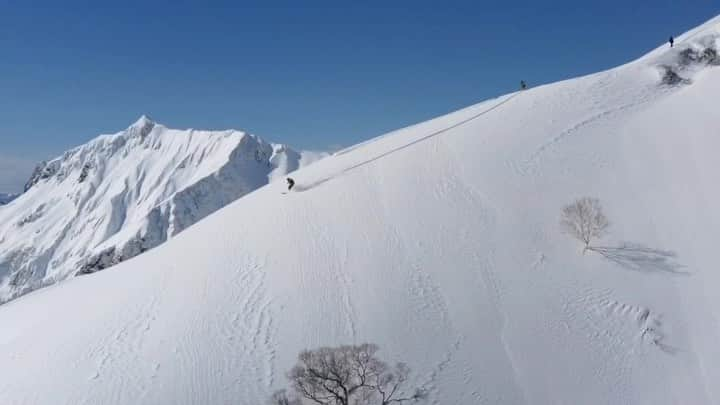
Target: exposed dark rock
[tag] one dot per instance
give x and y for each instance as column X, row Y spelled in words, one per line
column 84, row 172
column 43, row 171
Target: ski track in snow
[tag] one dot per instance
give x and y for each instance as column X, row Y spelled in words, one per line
column 531, row 164
column 428, row 136
column 346, row 283
column 484, row 262
column 313, row 184
column 116, row 353
column 467, row 194
column 250, row 330
column 338, row 271
column 430, row 305
column 492, row 286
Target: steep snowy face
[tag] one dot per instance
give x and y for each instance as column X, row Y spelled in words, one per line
column 439, row 242
column 120, row 195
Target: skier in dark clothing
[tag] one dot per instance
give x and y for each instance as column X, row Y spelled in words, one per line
column 290, row 183
column 671, row 41
column 523, row 85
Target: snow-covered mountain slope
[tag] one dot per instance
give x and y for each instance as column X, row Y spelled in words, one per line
column 120, row 195
column 5, row 198
column 441, row 244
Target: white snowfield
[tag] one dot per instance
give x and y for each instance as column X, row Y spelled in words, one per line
column 441, row 244
column 123, row 194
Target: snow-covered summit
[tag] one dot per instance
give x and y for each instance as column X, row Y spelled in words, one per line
column 122, row 194
column 440, row 243
column 143, row 121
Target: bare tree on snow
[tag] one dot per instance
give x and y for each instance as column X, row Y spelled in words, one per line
column 584, row 220
column 346, row 375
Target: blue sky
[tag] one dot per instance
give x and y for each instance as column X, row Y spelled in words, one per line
column 311, row 74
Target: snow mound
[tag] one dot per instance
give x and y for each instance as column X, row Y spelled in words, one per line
column 120, row 195
column 440, row 243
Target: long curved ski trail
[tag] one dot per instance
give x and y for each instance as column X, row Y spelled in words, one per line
column 308, row 186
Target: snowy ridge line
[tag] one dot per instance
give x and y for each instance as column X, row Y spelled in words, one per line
column 433, row 134
column 365, row 143
column 407, row 145
column 373, row 140
column 699, row 30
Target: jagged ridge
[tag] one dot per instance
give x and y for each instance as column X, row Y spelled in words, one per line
column 120, row 195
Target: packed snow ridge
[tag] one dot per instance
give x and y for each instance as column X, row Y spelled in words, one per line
column 439, row 242
column 123, row 194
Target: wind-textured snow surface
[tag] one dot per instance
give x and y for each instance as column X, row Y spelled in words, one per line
column 441, row 244
column 123, row 194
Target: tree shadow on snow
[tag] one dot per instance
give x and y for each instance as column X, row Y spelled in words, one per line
column 633, row 256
